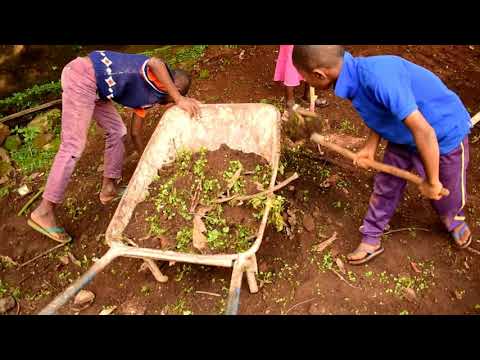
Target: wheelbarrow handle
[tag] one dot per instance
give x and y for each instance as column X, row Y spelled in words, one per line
column 79, row 284
column 392, row 170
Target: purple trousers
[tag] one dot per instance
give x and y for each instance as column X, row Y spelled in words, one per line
column 388, row 189
column 79, row 105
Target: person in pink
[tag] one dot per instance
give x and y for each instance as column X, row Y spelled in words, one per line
column 90, row 86
column 286, row 72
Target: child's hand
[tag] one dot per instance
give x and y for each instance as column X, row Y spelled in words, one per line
column 365, row 153
column 191, row 106
column 431, row 191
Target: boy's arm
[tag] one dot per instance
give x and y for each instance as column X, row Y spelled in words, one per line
column 161, row 73
column 427, row 145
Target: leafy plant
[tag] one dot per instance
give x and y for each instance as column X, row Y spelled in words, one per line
column 4, row 191
column 204, row 74
column 184, row 239
column 155, row 229
column 28, row 157
column 275, row 216
column 244, row 238
column 30, row 97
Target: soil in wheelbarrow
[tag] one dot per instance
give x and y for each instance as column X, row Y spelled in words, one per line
column 182, row 212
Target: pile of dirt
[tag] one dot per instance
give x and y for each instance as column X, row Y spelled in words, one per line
column 183, row 211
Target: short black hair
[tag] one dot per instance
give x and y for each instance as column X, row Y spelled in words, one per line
column 309, row 57
column 182, row 80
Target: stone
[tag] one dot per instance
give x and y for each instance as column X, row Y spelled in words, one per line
column 4, row 133
column 4, row 155
column 42, row 139
column 84, row 297
column 46, row 121
column 12, row 142
column 308, row 223
column 6, row 304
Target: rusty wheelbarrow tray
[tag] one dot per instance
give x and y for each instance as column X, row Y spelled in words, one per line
column 250, row 128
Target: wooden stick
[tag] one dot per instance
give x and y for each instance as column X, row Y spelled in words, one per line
column 31, row 110
column 475, row 119
column 343, row 279
column 313, row 98
column 248, row 197
column 404, row 229
column 304, row 112
column 208, row 293
column 301, row 303
column 30, row 202
column 392, row 170
column 43, row 254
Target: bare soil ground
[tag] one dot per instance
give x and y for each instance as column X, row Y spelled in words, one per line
column 294, row 278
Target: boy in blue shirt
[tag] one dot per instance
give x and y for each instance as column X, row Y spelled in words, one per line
column 426, row 126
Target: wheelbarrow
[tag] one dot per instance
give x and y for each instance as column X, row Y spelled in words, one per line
column 250, row 128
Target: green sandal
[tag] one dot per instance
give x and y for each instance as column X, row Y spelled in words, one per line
column 55, row 233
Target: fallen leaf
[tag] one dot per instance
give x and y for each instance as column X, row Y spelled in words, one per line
column 323, row 245
column 200, row 240
column 234, row 178
column 340, row 265
column 466, row 265
column 410, row 294
column 108, row 310
column 84, row 297
column 242, row 53
column 415, row 267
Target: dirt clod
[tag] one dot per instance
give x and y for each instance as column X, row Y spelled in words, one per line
column 308, row 223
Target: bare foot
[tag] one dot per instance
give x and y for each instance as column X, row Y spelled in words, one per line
column 44, row 215
column 108, row 192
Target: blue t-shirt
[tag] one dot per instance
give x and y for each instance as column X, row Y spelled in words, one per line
column 387, row 89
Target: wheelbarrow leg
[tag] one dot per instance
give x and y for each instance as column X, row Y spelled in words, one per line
column 235, row 287
column 251, row 273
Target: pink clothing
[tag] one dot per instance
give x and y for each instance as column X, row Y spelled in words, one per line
column 79, row 105
column 285, row 70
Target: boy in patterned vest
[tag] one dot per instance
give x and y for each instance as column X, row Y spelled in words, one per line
column 90, row 86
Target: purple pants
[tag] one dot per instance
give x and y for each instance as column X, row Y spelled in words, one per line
column 79, row 105
column 388, row 189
